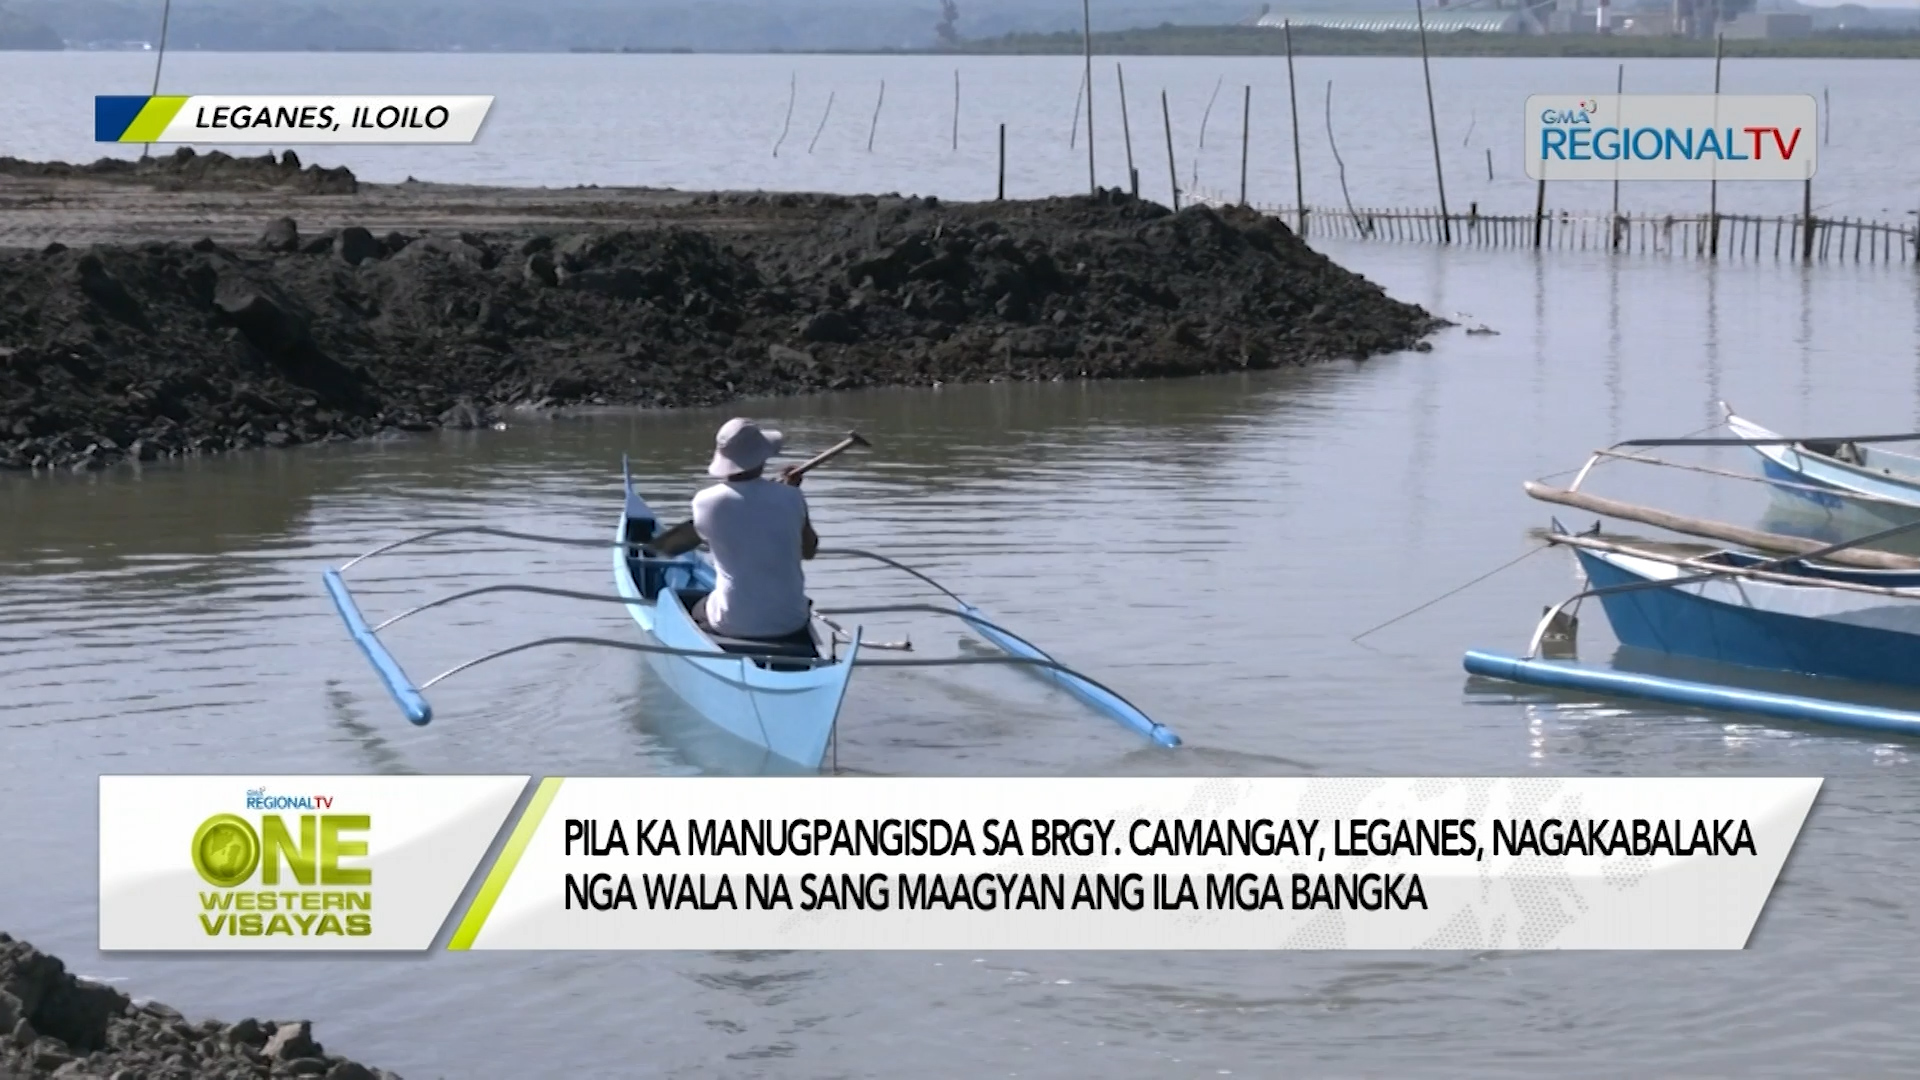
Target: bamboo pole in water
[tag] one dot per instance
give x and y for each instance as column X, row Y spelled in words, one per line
column 875, row 126
column 1341, row 165
column 1079, row 95
column 956, row 109
column 1001, row 191
column 1806, row 221
column 1713, row 185
column 1086, row 25
column 1246, row 128
column 1539, row 211
column 1205, row 116
column 1613, row 227
column 1173, row 170
column 793, row 91
column 1433, row 123
column 166, row 17
column 823, row 122
column 1126, row 129
column 1299, row 176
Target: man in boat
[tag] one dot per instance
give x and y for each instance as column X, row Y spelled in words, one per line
column 758, row 533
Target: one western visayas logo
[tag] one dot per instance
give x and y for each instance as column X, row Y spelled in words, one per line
column 296, row 874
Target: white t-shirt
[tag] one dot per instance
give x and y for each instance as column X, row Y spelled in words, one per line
column 753, row 528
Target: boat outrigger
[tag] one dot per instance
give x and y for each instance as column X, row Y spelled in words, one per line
column 783, row 695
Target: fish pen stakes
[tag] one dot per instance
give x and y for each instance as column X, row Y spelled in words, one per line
column 1739, row 236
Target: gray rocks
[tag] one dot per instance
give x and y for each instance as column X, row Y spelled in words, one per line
column 356, row 245
column 829, row 326
column 464, row 416
column 789, row 357
column 291, row 1039
column 282, row 234
column 71, row 1028
column 265, row 318
column 540, row 270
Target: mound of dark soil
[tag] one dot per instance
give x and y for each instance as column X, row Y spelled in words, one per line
column 52, row 1024
column 184, row 170
column 165, row 348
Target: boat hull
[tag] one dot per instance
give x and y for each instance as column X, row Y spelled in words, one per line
column 1807, row 483
column 1805, row 629
column 789, row 713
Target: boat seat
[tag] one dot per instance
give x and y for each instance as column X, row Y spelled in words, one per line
column 799, row 644
column 1845, row 452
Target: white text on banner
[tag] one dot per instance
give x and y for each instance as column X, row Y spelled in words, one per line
column 1139, row 863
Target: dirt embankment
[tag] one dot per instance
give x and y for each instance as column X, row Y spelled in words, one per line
column 164, row 348
column 52, row 1024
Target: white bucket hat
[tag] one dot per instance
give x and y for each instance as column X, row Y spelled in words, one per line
column 742, row 447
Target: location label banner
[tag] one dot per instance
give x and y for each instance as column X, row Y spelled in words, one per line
column 1138, row 863
column 290, row 120
column 276, row 863
column 1672, row 137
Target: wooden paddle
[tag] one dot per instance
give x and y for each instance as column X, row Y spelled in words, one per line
column 683, row 537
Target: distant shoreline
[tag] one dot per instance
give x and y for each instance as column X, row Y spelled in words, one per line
column 1230, row 41
column 1314, row 41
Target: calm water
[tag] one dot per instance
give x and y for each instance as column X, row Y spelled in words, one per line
column 707, row 122
column 1208, row 546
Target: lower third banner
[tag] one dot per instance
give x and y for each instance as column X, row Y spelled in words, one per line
column 1160, row 863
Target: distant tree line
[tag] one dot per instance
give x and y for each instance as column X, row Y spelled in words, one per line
column 17, row 31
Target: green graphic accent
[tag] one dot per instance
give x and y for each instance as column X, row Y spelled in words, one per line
column 225, row 850
column 153, row 119
column 503, row 868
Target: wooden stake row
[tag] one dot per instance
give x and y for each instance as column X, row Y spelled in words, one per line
column 1740, row 236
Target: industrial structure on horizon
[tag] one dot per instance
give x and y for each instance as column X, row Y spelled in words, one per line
column 1645, row 18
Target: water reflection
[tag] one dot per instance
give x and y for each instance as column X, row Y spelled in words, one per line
column 1803, row 344
column 1616, row 387
column 1710, row 343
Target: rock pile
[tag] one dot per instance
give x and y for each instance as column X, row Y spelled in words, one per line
column 163, row 349
column 52, row 1024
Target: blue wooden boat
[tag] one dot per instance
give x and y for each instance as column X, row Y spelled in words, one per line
column 1801, row 619
column 1862, row 484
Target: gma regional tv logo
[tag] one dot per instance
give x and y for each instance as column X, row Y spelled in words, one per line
column 297, row 870
column 1671, row 137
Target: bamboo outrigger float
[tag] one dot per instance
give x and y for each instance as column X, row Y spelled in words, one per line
column 784, row 696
